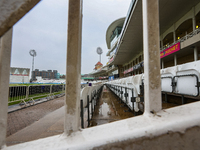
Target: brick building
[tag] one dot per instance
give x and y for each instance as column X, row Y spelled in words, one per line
column 49, row 74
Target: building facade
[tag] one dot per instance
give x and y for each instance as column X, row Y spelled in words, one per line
column 19, row 75
column 179, row 39
column 49, row 74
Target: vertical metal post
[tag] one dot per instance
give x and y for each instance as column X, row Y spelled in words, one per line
column 195, row 54
column 50, row 89
column 183, row 99
column 121, row 93
column 82, row 117
column 151, row 56
column 132, row 100
column 92, row 103
column 62, row 87
column 27, row 92
column 88, row 107
column 5, row 55
column 166, row 100
column 73, row 69
column 95, row 98
column 175, row 60
column 126, row 94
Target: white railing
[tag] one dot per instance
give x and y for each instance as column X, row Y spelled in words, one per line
column 181, row 79
column 189, row 35
column 114, row 41
column 28, row 94
column 89, row 97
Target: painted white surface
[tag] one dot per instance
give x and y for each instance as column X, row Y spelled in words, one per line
column 88, row 91
column 187, row 84
column 19, row 79
column 176, row 119
column 166, row 84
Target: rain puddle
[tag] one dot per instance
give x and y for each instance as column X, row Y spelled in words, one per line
column 109, row 109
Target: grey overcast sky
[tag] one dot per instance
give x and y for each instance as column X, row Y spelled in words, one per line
column 44, row 29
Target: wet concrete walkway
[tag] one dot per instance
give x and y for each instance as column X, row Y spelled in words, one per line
column 47, row 119
column 34, row 122
column 109, row 109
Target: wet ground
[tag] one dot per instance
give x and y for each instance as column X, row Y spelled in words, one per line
column 109, row 109
column 176, row 100
column 47, row 119
column 166, row 105
column 20, row 119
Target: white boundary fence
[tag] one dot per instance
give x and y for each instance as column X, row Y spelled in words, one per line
column 27, row 94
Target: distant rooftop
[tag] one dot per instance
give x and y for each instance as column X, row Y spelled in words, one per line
column 99, row 63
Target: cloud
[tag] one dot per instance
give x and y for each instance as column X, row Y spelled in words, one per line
column 44, row 29
column 98, row 15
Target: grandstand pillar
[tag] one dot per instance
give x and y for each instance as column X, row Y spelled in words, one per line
column 151, row 56
column 175, row 60
column 73, row 67
column 195, row 53
column 193, row 20
column 161, row 42
column 162, row 64
column 5, row 55
column 120, row 71
column 174, row 33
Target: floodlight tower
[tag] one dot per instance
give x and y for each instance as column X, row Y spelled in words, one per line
column 99, row 51
column 32, row 53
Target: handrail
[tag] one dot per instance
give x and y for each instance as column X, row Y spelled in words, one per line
column 189, row 35
column 127, row 96
column 89, row 97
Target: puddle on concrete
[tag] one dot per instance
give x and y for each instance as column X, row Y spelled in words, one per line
column 109, row 109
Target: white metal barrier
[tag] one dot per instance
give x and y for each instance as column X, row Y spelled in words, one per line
column 182, row 79
column 89, row 96
column 28, row 94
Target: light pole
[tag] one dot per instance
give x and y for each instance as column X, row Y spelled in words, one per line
column 32, row 53
column 99, row 51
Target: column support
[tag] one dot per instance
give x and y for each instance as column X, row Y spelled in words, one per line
column 175, row 60
column 174, row 34
column 73, row 67
column 195, row 54
column 5, row 55
column 193, row 20
column 151, row 56
column 161, row 42
column 163, row 64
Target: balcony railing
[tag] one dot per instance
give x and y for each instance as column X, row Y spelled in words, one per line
column 189, row 35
